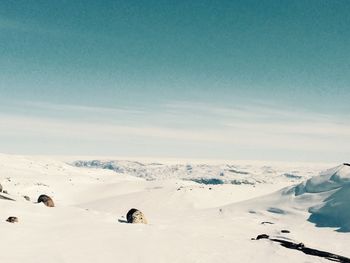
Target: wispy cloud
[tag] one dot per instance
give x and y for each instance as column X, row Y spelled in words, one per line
column 230, row 128
column 274, row 135
column 69, row 108
column 256, row 110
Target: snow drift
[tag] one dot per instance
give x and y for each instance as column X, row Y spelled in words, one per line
column 188, row 221
column 331, row 192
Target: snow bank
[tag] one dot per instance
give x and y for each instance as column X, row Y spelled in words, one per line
column 328, row 180
column 188, row 222
column 332, row 190
column 335, row 211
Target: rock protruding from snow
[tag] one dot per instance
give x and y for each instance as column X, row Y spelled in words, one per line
column 135, row 216
column 47, row 200
column 307, row 250
column 12, row 219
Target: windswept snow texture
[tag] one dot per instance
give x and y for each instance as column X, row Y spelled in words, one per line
column 187, row 221
column 203, row 173
column 334, row 211
column 330, row 190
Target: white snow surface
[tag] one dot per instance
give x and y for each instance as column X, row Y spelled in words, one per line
column 188, row 221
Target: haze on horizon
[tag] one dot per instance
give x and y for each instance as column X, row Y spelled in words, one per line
column 259, row 80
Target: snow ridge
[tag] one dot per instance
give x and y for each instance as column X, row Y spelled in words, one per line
column 201, row 173
column 331, row 189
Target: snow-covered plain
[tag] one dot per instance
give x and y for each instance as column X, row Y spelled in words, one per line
column 196, row 212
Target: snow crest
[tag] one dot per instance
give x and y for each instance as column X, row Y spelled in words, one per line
column 332, row 188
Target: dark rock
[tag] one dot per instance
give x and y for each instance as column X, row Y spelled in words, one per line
column 300, row 246
column 134, row 216
column 6, row 198
column 12, row 219
column 262, row 236
column 213, row 181
column 307, row 250
column 5, row 192
column 26, row 197
column 276, row 210
column 46, row 200
column 285, row 231
column 129, row 214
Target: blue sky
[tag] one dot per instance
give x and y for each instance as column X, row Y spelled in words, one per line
column 192, row 79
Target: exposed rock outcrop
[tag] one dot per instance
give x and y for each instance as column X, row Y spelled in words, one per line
column 47, row 200
column 12, row 219
column 135, row 216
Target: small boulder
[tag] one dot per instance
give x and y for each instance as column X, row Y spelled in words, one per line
column 26, row 197
column 46, row 200
column 5, row 192
column 262, row 236
column 135, row 216
column 12, row 219
column 0, row 188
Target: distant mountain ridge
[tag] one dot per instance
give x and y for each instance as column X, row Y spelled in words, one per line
column 200, row 173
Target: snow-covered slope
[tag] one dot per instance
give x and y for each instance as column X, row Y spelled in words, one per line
column 188, row 221
column 333, row 188
column 323, row 200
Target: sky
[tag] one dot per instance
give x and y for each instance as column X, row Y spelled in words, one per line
column 252, row 80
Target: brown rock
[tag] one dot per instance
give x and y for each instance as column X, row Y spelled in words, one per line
column 46, row 200
column 135, row 216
